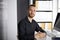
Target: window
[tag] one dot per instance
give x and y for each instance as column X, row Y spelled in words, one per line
column 44, row 13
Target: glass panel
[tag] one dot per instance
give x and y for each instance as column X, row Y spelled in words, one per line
column 44, row 5
column 47, row 26
column 43, row 16
column 42, row 25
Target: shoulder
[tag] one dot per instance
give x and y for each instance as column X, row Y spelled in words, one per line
column 22, row 21
column 34, row 21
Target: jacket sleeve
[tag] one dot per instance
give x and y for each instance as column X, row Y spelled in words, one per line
column 38, row 28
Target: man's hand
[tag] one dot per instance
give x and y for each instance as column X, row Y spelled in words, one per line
column 40, row 35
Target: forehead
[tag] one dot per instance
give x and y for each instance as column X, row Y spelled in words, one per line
column 31, row 7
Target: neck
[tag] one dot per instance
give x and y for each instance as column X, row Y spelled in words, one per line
column 30, row 19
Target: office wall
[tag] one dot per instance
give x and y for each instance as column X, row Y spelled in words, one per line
column 1, row 26
column 22, row 9
column 9, row 19
column 54, row 10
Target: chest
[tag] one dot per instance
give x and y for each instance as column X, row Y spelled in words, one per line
column 30, row 28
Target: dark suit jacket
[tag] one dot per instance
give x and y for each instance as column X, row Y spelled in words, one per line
column 26, row 29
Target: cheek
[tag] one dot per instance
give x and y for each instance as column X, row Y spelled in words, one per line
column 33, row 13
column 29, row 12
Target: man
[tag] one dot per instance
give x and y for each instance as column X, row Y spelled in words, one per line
column 28, row 26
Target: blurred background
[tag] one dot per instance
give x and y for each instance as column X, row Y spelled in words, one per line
column 12, row 11
column 8, row 19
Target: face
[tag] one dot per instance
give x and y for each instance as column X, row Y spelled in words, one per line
column 31, row 11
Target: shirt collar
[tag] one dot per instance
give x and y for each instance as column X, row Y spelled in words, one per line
column 28, row 19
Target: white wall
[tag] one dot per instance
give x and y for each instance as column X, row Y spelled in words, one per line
column 54, row 10
column 10, row 19
column 59, row 6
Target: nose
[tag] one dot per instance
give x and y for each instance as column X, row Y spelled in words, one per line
column 33, row 11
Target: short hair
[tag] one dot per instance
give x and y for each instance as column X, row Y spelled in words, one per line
column 31, row 5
